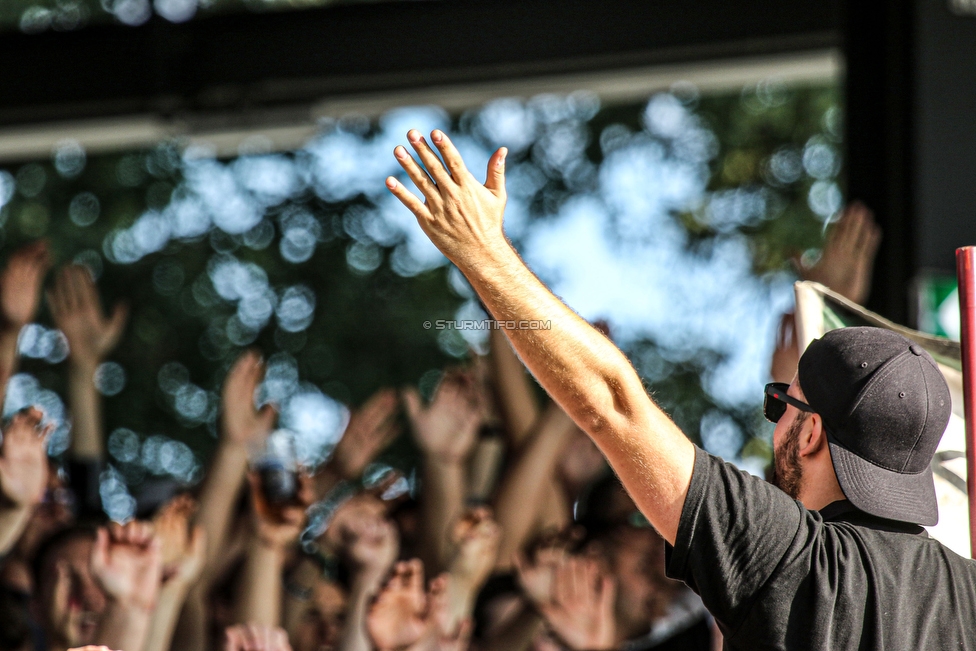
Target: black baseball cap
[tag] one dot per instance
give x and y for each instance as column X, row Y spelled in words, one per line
column 885, row 406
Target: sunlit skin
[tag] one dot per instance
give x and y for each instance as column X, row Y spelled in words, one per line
column 577, row 365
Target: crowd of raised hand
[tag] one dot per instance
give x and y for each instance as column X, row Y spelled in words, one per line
column 516, row 536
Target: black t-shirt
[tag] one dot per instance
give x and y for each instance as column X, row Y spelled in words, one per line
column 778, row 576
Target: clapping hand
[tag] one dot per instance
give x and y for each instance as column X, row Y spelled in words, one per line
column 243, row 423
column 127, row 563
column 77, row 312
column 447, row 428
column 371, row 428
column 23, row 459
column 461, row 216
column 20, row 284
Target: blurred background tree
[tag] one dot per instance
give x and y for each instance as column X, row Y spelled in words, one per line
column 303, row 255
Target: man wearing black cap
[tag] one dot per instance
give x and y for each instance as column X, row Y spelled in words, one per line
column 844, row 564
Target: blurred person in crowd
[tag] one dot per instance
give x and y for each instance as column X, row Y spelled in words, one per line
column 20, row 293
column 446, row 432
column 77, row 311
column 554, row 460
column 97, row 586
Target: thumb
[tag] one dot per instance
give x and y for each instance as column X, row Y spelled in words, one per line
column 413, row 403
column 495, row 179
column 120, row 314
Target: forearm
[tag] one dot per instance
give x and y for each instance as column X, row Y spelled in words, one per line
column 442, row 503
column 125, row 627
column 521, row 495
column 13, row 521
column 220, row 490
column 515, row 394
column 354, row 635
column 8, row 355
column 191, row 627
column 593, row 382
column 86, row 413
column 517, row 635
column 171, row 599
column 259, row 600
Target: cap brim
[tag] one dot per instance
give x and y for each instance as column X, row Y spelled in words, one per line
column 885, row 493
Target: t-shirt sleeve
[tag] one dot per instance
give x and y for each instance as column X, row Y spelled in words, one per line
column 734, row 531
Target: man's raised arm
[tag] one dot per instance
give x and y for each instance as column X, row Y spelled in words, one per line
column 579, row 367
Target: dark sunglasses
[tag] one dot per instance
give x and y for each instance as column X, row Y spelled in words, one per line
column 775, row 401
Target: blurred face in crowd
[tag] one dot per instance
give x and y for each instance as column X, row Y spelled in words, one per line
column 636, row 558
column 582, row 462
column 69, row 601
column 320, row 625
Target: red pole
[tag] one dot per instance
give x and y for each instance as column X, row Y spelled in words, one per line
column 966, row 274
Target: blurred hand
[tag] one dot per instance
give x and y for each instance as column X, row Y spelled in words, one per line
column 536, row 572
column 476, row 537
column 372, row 545
column 371, row 428
column 126, row 562
column 255, row 637
column 847, row 260
column 20, row 284
column 280, row 527
column 581, row 611
column 447, row 636
column 182, row 548
column 462, row 217
column 77, row 312
column 786, row 355
column 23, row 460
column 365, row 506
column 243, row 423
column 398, row 617
column 447, row 428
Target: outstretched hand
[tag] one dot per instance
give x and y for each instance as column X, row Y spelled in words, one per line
column 399, row 616
column 243, row 423
column 371, row 428
column 581, row 609
column 20, row 284
column 23, row 459
column 461, row 216
column 127, row 562
column 77, row 311
column 447, row 428
column 848, row 255
column 255, row 637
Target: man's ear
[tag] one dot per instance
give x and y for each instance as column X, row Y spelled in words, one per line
column 813, row 437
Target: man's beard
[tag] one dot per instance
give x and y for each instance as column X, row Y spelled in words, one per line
column 787, row 471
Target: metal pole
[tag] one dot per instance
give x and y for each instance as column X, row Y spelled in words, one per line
column 966, row 274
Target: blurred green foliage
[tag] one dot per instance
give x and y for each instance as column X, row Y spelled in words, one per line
column 367, row 330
